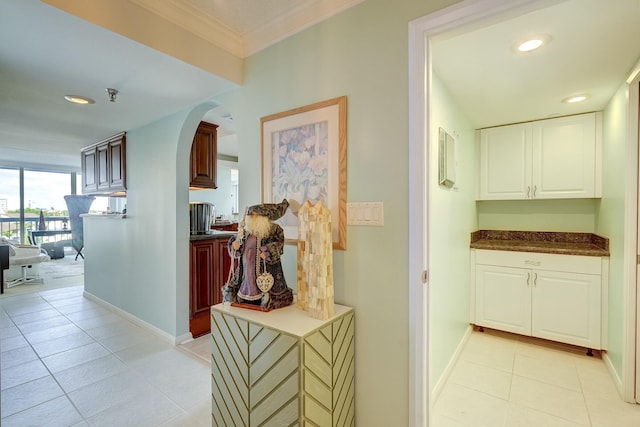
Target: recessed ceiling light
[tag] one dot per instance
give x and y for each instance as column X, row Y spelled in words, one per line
column 576, row 98
column 77, row 99
column 532, row 43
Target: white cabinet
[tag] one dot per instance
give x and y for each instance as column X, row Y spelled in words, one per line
column 548, row 159
column 503, row 298
column 556, row 297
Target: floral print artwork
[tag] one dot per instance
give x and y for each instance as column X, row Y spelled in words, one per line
column 300, row 165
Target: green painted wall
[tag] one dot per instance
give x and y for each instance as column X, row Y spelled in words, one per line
column 452, row 217
column 611, row 216
column 577, row 215
column 360, row 53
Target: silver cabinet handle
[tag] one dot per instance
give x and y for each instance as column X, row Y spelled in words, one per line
column 528, row 191
column 535, row 279
column 535, row 187
column 530, row 262
column 528, row 279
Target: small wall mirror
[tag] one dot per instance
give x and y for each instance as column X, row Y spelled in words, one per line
column 447, row 159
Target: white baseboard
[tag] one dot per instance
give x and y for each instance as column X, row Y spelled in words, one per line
column 136, row 320
column 437, row 389
column 612, row 371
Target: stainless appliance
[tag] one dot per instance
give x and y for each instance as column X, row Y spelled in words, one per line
column 200, row 214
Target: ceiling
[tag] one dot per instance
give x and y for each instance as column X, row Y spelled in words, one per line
column 594, row 46
column 46, row 53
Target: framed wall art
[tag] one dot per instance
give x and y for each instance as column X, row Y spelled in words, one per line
column 304, row 157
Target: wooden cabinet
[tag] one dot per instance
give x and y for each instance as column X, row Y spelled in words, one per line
column 104, row 166
column 556, row 297
column 282, row 368
column 546, row 159
column 209, row 268
column 204, row 153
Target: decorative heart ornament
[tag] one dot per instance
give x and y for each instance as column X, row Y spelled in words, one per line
column 264, row 281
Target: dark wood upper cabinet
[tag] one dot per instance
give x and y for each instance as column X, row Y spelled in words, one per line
column 104, row 166
column 204, row 153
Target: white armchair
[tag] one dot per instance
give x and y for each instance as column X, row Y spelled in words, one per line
column 24, row 261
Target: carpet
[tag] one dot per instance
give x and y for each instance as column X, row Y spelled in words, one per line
column 56, row 273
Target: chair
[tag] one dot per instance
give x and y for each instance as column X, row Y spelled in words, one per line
column 77, row 205
column 21, row 259
column 4, row 264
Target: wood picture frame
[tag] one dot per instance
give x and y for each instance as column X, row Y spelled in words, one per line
column 304, row 157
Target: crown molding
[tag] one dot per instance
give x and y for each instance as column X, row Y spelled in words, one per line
column 292, row 22
column 197, row 22
column 208, row 27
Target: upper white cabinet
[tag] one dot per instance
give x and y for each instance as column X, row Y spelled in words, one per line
column 548, row 159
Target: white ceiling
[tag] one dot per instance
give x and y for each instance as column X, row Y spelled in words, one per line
column 46, row 53
column 594, row 46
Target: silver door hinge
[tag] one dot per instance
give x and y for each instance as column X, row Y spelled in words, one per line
column 425, row 277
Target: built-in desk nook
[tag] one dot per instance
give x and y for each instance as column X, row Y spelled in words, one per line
column 546, row 285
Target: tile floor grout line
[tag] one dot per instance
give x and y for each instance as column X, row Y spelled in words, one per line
column 30, row 344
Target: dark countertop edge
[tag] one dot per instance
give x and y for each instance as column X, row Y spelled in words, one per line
column 586, row 244
column 220, row 235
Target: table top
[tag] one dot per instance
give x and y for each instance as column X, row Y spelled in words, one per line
column 49, row 232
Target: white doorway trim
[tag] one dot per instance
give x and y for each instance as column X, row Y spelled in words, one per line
column 631, row 334
column 459, row 16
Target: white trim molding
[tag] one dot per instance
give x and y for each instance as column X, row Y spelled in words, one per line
column 170, row 339
column 202, row 23
column 631, row 327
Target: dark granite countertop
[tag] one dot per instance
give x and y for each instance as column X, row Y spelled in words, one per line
column 586, row 244
column 213, row 234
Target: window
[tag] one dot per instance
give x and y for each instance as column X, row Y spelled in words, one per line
column 10, row 203
column 43, row 191
column 234, row 191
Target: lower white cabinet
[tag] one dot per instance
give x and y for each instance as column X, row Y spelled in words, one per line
column 557, row 297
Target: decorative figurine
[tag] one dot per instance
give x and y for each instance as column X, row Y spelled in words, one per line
column 258, row 281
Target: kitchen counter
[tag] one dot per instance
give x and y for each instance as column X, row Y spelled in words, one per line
column 213, row 234
column 586, row 244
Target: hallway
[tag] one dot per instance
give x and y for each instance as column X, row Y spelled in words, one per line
column 67, row 361
column 508, row 380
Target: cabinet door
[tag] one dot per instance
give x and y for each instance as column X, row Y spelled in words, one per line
column 89, row 162
column 222, row 266
column 204, row 156
column 505, row 162
column 564, row 157
column 102, row 165
column 566, row 308
column 117, row 164
column 503, row 298
column 202, row 272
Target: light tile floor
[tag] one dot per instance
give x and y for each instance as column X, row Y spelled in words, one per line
column 67, row 361
column 505, row 380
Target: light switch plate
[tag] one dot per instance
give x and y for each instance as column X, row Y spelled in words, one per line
column 365, row 213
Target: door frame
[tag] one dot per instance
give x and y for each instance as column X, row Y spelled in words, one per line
column 463, row 16
column 631, row 335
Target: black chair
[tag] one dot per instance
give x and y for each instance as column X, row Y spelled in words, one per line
column 77, row 205
column 4, row 264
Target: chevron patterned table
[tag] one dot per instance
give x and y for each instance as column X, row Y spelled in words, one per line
column 282, row 368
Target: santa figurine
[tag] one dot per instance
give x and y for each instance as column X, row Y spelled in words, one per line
column 259, row 280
